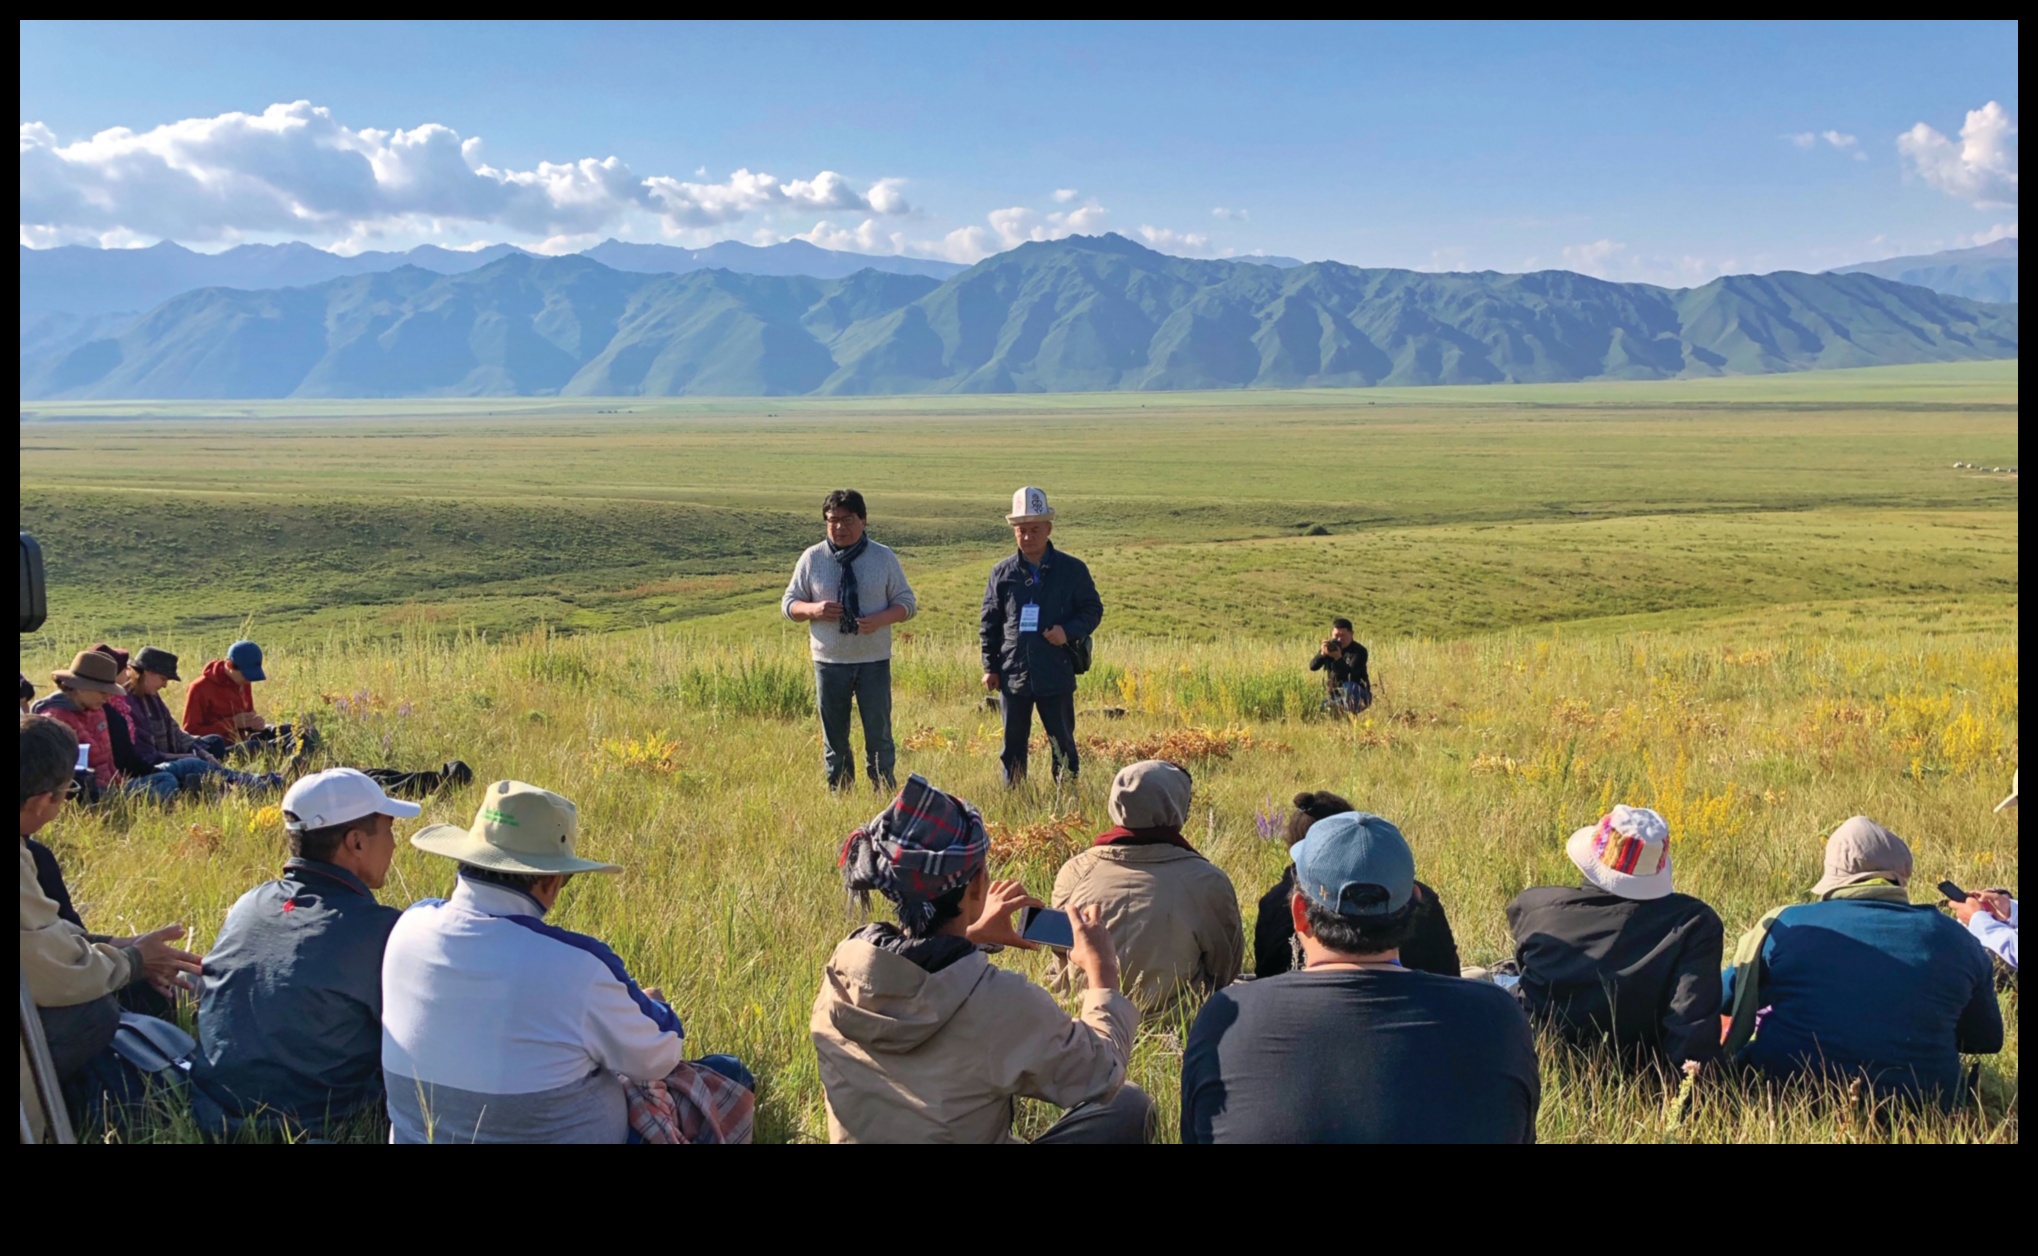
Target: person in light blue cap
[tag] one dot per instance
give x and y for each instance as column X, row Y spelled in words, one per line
column 1353, row 1047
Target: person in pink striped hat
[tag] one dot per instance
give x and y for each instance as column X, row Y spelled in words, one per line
column 1622, row 959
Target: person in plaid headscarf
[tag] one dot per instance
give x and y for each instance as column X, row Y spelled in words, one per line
column 921, row 1039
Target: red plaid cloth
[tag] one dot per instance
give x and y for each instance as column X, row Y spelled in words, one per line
column 690, row 1105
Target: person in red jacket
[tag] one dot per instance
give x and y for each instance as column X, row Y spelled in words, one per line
column 221, row 704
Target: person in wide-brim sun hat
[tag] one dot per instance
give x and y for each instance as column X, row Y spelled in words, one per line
column 519, row 828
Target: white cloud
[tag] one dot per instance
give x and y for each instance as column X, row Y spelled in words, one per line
column 1592, row 259
column 1063, row 196
column 865, row 237
column 1181, row 243
column 1222, row 214
column 1981, row 169
column 294, row 170
column 2000, row 231
column 1809, row 140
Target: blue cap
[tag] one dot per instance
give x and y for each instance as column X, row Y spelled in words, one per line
column 1355, row 864
column 246, row 657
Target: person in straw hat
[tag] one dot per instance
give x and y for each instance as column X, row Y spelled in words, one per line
column 1039, row 606
column 1863, row 984
column 1991, row 915
column 1622, row 959
column 498, row 1027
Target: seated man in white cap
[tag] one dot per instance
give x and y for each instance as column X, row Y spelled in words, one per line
column 500, row 1028
column 1622, row 960
column 1173, row 915
column 1040, row 607
column 1863, row 984
column 290, row 1013
column 1352, row 1047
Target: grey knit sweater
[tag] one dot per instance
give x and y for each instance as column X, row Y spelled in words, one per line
column 880, row 582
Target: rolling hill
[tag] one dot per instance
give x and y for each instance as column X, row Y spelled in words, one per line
column 1085, row 313
column 1987, row 272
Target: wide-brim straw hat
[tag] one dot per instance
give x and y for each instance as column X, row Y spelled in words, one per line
column 1029, row 505
column 2011, row 801
column 91, row 671
column 519, row 828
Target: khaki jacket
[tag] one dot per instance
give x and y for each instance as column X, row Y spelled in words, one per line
column 65, row 967
column 1173, row 916
column 909, row 1056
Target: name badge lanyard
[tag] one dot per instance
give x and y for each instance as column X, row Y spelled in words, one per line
column 1029, row 614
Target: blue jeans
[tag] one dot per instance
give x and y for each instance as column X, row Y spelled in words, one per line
column 174, row 775
column 870, row 684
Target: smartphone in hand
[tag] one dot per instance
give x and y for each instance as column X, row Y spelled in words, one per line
column 1047, row 926
column 1952, row 892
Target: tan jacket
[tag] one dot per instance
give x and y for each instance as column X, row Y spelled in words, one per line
column 1173, row 916
column 909, row 1056
column 64, row 966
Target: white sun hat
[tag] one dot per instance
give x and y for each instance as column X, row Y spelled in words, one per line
column 2011, row 801
column 1029, row 505
column 1626, row 853
column 519, row 828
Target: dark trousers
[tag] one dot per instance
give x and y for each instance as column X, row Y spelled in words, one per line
column 1125, row 1120
column 1057, row 720
column 870, row 686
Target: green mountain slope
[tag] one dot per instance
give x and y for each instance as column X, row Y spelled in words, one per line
column 1083, row 314
column 1987, row 272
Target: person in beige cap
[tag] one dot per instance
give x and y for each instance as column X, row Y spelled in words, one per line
column 498, row 1027
column 1173, row 915
column 1863, row 984
column 1621, row 960
column 1040, row 607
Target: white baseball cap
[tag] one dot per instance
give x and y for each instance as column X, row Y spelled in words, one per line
column 336, row 796
column 1029, row 505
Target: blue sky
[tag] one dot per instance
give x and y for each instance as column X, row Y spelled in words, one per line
column 1665, row 152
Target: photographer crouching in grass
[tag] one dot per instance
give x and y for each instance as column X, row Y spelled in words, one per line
column 1342, row 660
column 849, row 591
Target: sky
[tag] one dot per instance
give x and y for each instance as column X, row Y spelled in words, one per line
column 1658, row 152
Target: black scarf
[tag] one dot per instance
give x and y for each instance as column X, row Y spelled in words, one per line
column 852, row 605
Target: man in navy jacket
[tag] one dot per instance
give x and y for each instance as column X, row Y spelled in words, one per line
column 1036, row 604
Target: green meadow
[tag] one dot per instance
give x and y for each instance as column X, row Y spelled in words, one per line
column 1759, row 605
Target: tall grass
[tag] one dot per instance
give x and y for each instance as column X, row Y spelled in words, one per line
column 696, row 764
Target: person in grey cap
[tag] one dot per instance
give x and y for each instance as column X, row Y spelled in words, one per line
column 1040, row 607
column 1863, row 984
column 1352, row 1047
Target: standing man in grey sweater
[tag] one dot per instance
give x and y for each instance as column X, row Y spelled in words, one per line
column 849, row 591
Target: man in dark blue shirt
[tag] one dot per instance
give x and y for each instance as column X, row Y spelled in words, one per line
column 290, row 1018
column 1353, row 1047
column 1037, row 604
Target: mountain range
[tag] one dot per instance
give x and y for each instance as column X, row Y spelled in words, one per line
column 81, row 283
column 1987, row 272
column 1080, row 314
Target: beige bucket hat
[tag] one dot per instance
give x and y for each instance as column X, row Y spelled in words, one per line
column 1029, row 505
column 1150, row 794
column 1860, row 851
column 519, row 828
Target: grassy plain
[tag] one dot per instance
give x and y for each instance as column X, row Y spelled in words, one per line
column 1757, row 605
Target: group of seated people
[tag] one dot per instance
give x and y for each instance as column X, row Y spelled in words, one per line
column 322, row 1012
column 113, row 702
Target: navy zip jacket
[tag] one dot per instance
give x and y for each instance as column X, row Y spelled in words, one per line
column 1896, row 991
column 290, row 1017
column 1031, row 665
